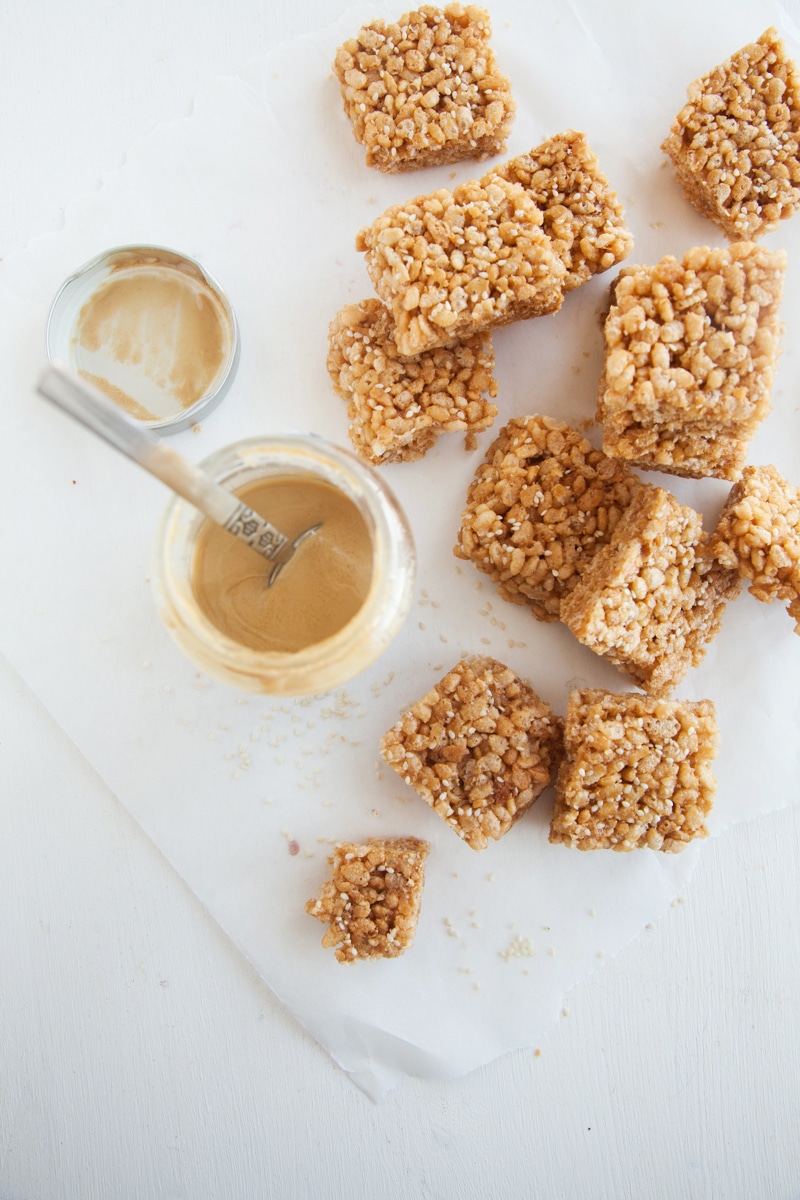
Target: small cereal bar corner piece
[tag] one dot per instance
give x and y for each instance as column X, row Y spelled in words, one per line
column 690, row 354
column 479, row 748
column 636, row 772
column 425, row 90
column 452, row 263
column 371, row 902
column 540, row 506
column 652, row 599
column 399, row 406
column 758, row 535
column 582, row 215
column 736, row 143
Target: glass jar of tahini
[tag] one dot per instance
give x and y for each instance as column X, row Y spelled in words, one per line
column 333, row 609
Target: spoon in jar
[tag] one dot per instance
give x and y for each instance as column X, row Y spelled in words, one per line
column 88, row 405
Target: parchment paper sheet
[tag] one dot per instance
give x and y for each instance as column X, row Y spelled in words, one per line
column 265, row 185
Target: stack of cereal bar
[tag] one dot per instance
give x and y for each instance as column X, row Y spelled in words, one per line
column 690, row 352
column 453, row 263
column 636, row 772
column 398, row 406
column 371, row 902
column 540, row 506
column 758, row 535
column 479, row 747
column 582, row 215
column 652, row 598
column 425, row 90
column 736, row 144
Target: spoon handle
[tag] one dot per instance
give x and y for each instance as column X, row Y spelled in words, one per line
column 89, row 406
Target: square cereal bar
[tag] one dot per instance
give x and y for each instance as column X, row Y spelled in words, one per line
column 538, row 509
column 759, row 535
column 425, row 90
column 690, row 353
column 652, row 599
column 582, row 215
column 480, row 748
column 636, row 772
column 736, row 144
column 398, row 406
column 371, row 902
column 450, row 264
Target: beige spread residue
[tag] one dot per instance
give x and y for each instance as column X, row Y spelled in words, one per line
column 119, row 397
column 317, row 593
column 168, row 325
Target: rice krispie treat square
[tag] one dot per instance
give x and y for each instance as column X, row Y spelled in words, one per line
column 539, row 508
column 636, row 772
column 759, row 536
column 371, row 902
column 451, row 264
column 582, row 215
column 652, row 599
column 736, row 144
column 398, row 406
column 480, row 748
column 426, row 89
column 690, row 354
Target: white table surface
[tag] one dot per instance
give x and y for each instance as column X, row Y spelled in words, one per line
column 141, row 1057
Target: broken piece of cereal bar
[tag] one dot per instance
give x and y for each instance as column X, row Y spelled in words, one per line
column 480, row 748
column 371, row 902
column 758, row 535
column 451, row 264
column 426, row 89
column 398, row 406
column 652, row 599
column 582, row 215
column 636, row 772
column 690, row 354
column 736, row 143
column 539, row 508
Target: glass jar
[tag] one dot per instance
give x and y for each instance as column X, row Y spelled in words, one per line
column 321, row 665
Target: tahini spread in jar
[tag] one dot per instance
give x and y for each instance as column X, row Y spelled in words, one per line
column 317, row 593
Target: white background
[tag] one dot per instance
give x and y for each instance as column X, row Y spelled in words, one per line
column 141, row 1057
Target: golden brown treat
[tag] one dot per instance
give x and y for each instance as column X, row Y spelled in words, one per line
column 759, row 536
column 690, row 353
column 426, row 89
column 582, row 215
column 636, row 772
column 735, row 145
column 480, row 748
column 371, row 902
column 451, row 264
column 398, row 406
column 652, row 599
column 539, row 508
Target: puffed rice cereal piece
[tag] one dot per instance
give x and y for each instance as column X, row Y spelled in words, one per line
column 690, row 355
column 479, row 748
column 371, row 902
column 758, row 535
column 451, row 264
column 652, row 599
column 736, row 144
column 425, row 90
column 399, row 406
column 540, row 506
column 636, row 772
column 582, row 215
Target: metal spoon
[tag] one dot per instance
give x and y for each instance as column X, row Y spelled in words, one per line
column 88, row 405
